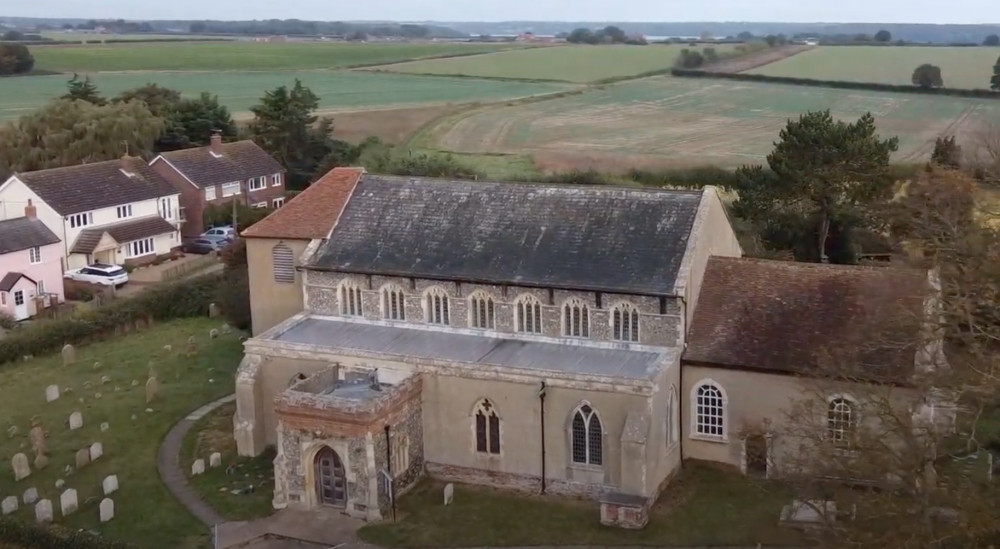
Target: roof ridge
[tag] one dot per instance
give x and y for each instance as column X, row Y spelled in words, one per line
column 542, row 184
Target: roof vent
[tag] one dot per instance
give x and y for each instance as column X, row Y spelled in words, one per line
column 127, row 173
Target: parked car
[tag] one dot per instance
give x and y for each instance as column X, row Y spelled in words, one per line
column 220, row 233
column 203, row 245
column 99, row 273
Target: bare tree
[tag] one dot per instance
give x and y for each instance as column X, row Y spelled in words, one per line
column 984, row 154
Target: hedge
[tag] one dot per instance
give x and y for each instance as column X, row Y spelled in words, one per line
column 32, row 536
column 181, row 299
column 692, row 73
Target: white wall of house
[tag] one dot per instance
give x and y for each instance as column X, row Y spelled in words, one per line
column 14, row 196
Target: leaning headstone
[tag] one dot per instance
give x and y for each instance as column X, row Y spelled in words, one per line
column 215, row 459
column 152, row 389
column 75, row 421
column 198, row 467
column 43, row 511
column 107, row 509
column 110, row 484
column 68, row 354
column 41, row 462
column 82, row 457
column 9, row 505
column 213, row 310
column 105, row 426
column 449, row 493
column 51, row 393
column 68, row 502
column 37, row 436
column 30, row 496
column 192, row 348
column 96, row 451
column 19, row 463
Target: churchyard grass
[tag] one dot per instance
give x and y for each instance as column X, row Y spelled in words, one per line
column 225, row 488
column 703, row 507
column 146, row 512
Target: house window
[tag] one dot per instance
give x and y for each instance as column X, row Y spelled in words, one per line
column 671, row 425
column 436, row 307
column 167, row 208
column 278, row 202
column 350, row 298
column 625, row 322
column 576, row 319
column 400, row 453
column 710, row 410
column 260, row 205
column 257, row 183
column 276, row 180
column 3, row 298
column 392, row 303
column 41, row 287
column 487, row 428
column 481, row 311
column 35, row 255
column 230, row 189
column 588, row 438
column 840, row 422
column 124, row 211
column 138, row 248
column 81, row 220
column 210, row 193
column 283, row 264
column 529, row 314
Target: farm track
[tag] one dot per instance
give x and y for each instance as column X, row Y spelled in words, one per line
column 927, row 147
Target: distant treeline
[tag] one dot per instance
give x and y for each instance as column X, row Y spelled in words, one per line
column 295, row 27
column 111, row 41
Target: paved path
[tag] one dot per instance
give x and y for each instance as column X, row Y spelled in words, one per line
column 167, row 463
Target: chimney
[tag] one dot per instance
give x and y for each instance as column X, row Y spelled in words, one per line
column 216, row 142
column 30, row 211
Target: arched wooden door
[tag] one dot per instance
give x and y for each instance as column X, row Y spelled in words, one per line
column 331, row 479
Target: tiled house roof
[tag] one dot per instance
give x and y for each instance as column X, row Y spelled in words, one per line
column 237, row 162
column 125, row 231
column 22, row 233
column 791, row 317
column 313, row 212
column 86, row 187
column 588, row 238
column 10, row 279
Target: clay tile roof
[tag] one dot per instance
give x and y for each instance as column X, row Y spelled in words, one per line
column 798, row 317
column 22, row 233
column 239, row 161
column 123, row 232
column 10, row 279
column 313, row 212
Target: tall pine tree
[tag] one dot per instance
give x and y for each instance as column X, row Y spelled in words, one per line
column 83, row 90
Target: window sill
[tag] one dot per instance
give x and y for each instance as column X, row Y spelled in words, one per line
column 586, row 467
column 710, row 438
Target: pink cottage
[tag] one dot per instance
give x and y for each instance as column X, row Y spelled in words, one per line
column 30, row 266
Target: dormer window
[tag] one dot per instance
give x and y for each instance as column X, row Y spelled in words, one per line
column 81, row 220
column 124, row 211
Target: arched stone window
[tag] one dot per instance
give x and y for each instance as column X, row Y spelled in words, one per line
column 671, row 423
column 481, row 311
column 283, row 264
column 528, row 314
column 487, row 425
column 392, row 302
column 576, row 318
column 841, row 421
column 400, row 453
column 625, row 322
column 350, row 298
column 587, row 436
column 436, row 310
column 709, row 410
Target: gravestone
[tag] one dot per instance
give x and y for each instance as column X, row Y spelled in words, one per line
column 41, row 462
column 37, row 436
column 30, row 496
column 51, row 393
column 9, row 505
column 449, row 493
column 215, row 459
column 198, row 467
column 97, row 365
column 82, row 457
column 12, row 431
column 226, row 328
column 68, row 354
column 19, row 463
column 75, row 421
column 105, row 380
column 43, row 511
column 107, row 509
column 96, row 451
column 808, row 513
column 192, row 346
column 152, row 389
column 68, row 502
column 60, row 483
column 105, row 426
column 213, row 310
column 213, row 333
column 110, row 484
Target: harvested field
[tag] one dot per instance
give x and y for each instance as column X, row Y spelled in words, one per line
column 757, row 59
column 392, row 126
column 683, row 122
column 968, row 68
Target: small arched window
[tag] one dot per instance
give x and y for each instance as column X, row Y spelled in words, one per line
column 840, row 422
column 625, row 322
column 392, row 302
column 671, row 423
column 710, row 411
column 350, row 298
column 283, row 264
column 528, row 311
column 588, row 437
column 576, row 319
column 487, row 428
column 481, row 311
column 436, row 306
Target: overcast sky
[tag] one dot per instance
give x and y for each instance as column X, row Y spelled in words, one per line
column 881, row 11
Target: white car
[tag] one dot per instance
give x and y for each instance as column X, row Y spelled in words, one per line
column 99, row 273
column 220, row 233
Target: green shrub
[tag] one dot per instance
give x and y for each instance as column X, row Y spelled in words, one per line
column 31, row 536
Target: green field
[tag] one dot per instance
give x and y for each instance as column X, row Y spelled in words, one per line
column 346, row 90
column 566, row 63
column 969, row 68
column 241, row 56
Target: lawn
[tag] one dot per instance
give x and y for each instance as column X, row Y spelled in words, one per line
column 241, row 55
column 147, row 514
column 565, row 63
column 703, row 507
column 960, row 67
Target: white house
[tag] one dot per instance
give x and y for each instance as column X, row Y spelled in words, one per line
column 115, row 212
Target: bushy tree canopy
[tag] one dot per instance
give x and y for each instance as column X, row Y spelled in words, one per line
column 883, row 36
column 927, row 76
column 15, row 59
column 992, row 40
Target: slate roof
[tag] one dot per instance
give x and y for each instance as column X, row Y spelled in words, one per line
column 125, row 231
column 22, row 233
column 595, row 238
column 10, row 279
column 313, row 212
column 239, row 161
column 798, row 317
column 85, row 187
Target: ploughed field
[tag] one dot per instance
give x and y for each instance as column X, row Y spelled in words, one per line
column 968, row 68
